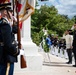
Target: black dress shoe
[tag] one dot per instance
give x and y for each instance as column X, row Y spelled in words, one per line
column 74, row 65
column 69, row 62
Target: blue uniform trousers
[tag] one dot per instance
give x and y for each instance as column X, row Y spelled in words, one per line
column 7, row 69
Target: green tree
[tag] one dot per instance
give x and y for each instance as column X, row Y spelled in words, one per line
column 48, row 17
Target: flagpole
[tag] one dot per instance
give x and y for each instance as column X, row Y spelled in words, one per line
column 13, row 6
column 18, row 35
column 23, row 61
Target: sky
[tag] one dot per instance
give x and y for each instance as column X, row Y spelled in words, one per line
column 66, row 7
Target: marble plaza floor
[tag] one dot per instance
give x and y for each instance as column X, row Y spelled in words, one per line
column 56, row 66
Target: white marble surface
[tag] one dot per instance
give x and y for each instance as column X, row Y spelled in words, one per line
column 30, row 48
column 33, row 58
column 34, row 63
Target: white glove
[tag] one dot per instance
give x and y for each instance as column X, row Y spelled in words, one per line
column 22, row 52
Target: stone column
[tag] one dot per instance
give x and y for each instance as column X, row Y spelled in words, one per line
column 33, row 58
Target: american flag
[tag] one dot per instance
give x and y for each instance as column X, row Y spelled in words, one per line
column 26, row 8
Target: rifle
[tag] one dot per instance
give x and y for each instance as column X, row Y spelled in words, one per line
column 23, row 61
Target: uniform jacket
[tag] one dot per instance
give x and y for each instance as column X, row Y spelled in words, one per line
column 8, row 49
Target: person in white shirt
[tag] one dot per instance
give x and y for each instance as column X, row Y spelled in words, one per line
column 69, row 40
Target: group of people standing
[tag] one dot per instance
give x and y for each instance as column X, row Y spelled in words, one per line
column 68, row 42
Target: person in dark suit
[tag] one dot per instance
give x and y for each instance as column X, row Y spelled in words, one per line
column 8, row 48
column 74, row 44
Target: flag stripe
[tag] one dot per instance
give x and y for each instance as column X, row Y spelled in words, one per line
column 27, row 15
column 31, row 3
column 23, row 2
column 28, row 10
column 19, row 6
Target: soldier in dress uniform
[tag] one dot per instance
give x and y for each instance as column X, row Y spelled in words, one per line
column 8, row 49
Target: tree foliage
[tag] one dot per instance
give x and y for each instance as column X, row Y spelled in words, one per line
column 47, row 16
